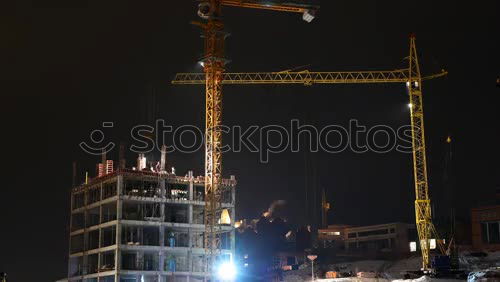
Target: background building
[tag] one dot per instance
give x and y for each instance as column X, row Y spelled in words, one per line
column 143, row 225
column 391, row 239
column 486, row 226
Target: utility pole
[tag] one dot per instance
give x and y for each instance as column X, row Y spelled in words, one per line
column 312, row 258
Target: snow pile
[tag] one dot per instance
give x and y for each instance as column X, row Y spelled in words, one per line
column 476, row 262
column 492, row 274
column 485, row 266
column 354, row 279
column 426, row 279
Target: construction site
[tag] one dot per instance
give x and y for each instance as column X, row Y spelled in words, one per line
column 298, row 130
column 147, row 224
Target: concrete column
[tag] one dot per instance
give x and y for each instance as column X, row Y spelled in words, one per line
column 162, row 188
column 139, row 257
column 190, row 197
column 100, row 221
column 189, row 261
column 163, row 196
column 119, row 189
column 161, row 259
column 190, row 221
column 119, row 185
column 191, row 185
column 190, row 213
column 100, row 234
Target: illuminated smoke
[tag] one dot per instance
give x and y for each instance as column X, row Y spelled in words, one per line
column 271, row 208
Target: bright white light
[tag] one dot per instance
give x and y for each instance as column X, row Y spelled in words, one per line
column 413, row 246
column 227, row 271
column 432, row 244
column 202, row 64
column 410, row 105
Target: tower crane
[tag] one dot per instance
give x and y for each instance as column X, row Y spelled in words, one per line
column 213, row 63
column 411, row 76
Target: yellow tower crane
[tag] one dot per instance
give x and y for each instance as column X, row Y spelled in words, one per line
column 213, row 63
column 410, row 76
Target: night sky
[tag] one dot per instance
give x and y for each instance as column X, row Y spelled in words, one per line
column 67, row 66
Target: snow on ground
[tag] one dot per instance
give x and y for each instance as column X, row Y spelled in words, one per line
column 394, row 271
column 354, row 279
column 478, row 263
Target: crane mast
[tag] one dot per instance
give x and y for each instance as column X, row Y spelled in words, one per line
column 213, row 65
column 422, row 201
column 411, row 76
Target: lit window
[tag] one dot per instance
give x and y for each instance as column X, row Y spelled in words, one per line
column 224, row 217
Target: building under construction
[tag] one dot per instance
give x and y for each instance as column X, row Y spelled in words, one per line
column 143, row 224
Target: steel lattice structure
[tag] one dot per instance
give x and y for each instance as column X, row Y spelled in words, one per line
column 213, row 65
column 422, row 201
column 410, row 76
column 304, row 77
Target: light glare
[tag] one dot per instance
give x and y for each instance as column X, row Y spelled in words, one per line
column 227, row 271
